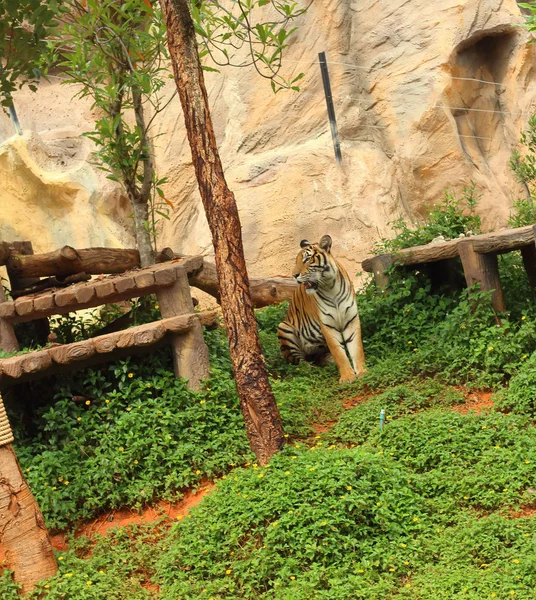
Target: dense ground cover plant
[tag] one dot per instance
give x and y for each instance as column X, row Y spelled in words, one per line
column 453, row 216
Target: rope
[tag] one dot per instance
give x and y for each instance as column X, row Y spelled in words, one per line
column 6, row 435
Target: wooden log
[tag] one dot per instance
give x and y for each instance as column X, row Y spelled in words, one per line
column 24, row 306
column 482, row 269
column 264, row 291
column 51, row 282
column 44, row 303
column 143, row 335
column 106, row 343
column 104, row 288
column 125, row 284
column 85, row 293
column 19, row 281
column 190, row 353
column 68, row 261
column 68, row 353
column 380, row 265
column 66, row 297
column 503, row 241
column 7, row 310
column 144, row 279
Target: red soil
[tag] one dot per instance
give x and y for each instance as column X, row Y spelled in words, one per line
column 476, row 402
column 120, row 518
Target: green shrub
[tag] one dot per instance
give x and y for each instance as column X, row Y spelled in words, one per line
column 355, row 425
column 520, row 396
column 330, row 522
column 449, row 218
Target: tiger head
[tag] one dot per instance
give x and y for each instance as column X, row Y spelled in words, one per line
column 314, row 265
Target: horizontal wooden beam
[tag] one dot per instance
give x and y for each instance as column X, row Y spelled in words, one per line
column 104, row 348
column 68, row 261
column 264, row 290
column 486, row 243
column 109, row 290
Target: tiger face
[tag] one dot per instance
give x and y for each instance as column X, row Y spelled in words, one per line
column 313, row 267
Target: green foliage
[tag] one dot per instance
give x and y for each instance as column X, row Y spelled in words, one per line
column 520, row 396
column 483, row 461
column 523, row 213
column 355, row 425
column 115, row 53
column 116, row 567
column 24, row 27
column 241, row 34
column 140, row 435
column 450, row 218
column 324, row 521
column 9, row 590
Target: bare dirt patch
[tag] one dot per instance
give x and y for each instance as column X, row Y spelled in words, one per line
column 168, row 511
column 475, row 402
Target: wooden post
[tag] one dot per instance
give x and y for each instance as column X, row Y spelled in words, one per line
column 380, row 265
column 483, row 269
column 190, row 353
column 528, row 254
column 8, row 339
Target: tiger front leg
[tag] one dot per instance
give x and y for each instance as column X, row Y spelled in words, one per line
column 355, row 349
column 290, row 343
column 336, row 347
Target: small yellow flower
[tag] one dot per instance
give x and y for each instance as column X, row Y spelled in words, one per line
column 149, row 385
column 484, row 426
column 527, row 462
column 129, row 409
column 131, row 375
column 260, row 475
column 292, row 577
column 89, row 582
column 410, row 342
column 408, row 585
column 68, row 575
column 54, row 488
column 179, row 517
column 135, row 462
column 201, row 402
column 516, row 561
column 324, row 522
column 198, row 472
column 79, row 418
column 66, row 483
column 415, row 519
column 287, row 472
column 403, row 545
column 28, row 470
column 228, row 572
column 392, row 570
column 101, row 572
column 60, row 479
column 107, row 401
column 512, row 593
column 490, row 348
column 438, row 530
column 60, row 557
column 121, row 449
column 524, row 356
column 523, row 318
column 88, row 402
column 348, row 487
column 157, row 306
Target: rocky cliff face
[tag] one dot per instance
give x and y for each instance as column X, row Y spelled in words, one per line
column 428, row 96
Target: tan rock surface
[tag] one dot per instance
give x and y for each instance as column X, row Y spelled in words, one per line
column 412, row 120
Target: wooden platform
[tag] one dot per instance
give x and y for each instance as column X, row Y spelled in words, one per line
column 66, row 357
column 180, row 326
column 108, row 290
column 478, row 255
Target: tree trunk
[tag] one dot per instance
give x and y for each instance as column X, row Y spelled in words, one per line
column 141, row 231
column 23, row 534
column 262, row 419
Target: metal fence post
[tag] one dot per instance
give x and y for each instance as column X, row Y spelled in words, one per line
column 331, row 109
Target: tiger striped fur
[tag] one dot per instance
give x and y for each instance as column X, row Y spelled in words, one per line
column 322, row 318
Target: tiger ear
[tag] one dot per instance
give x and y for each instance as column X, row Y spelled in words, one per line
column 304, row 243
column 325, row 243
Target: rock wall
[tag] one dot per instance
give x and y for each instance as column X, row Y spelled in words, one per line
column 428, row 96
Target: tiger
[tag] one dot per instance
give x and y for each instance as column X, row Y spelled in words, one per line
column 322, row 318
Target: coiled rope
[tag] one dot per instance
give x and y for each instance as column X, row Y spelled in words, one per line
column 6, row 435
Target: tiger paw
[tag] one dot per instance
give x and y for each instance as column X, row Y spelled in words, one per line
column 347, row 378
